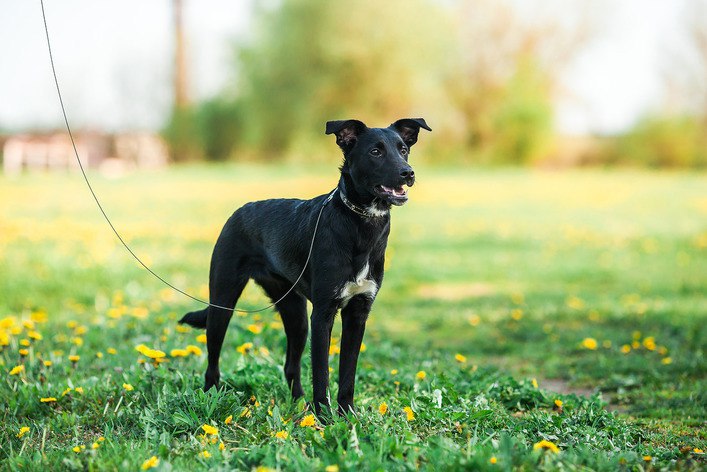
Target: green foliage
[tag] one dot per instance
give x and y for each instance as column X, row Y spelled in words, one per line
column 659, row 141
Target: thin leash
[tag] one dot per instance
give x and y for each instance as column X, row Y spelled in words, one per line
column 115, row 231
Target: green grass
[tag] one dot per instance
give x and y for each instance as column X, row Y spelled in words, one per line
column 521, row 272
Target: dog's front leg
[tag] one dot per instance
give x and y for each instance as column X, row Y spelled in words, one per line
column 322, row 323
column 353, row 320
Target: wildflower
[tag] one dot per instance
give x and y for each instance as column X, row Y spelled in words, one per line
column 228, row 419
column 517, row 314
column 205, row 454
column 101, row 439
column 635, row 345
column 244, row 348
column 421, row 375
column 74, row 358
column 34, row 335
column 154, row 354
column 698, row 451
column 382, row 408
column 307, row 421
column 535, row 383
column 191, row 349
column 76, row 449
column 76, row 340
column 24, row 342
column 221, row 446
column 47, row 400
column 558, row 404
column 150, row 463
column 647, row 458
column 332, row 468
column 255, row 328
column 99, row 355
column 208, row 429
column 94, row 445
column 575, row 303
column 544, row 444
column 79, row 390
column 625, row 348
column 23, row 430
column 17, row 369
column 394, row 372
column 66, row 391
column 112, row 351
column 649, row 343
column 334, row 349
column 493, row 460
column 590, row 343
column 47, row 363
column 281, row 435
column 264, row 351
column 128, row 387
column 409, row 413
column 23, row 352
column 179, row 353
column 666, row 360
column 363, row 347
column 201, row 338
column 245, row 413
column 460, row 358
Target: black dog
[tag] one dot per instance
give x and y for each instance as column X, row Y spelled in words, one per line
column 269, row 241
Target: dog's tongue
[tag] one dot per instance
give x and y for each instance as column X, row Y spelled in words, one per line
column 397, row 191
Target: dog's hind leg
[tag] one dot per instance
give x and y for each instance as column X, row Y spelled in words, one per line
column 224, row 292
column 293, row 311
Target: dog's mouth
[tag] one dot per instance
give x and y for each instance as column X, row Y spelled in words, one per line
column 394, row 195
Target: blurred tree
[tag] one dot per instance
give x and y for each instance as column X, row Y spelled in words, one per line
column 510, row 63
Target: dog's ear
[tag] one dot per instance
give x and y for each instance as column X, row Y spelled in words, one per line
column 408, row 128
column 347, row 131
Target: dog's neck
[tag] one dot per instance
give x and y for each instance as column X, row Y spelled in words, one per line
column 370, row 206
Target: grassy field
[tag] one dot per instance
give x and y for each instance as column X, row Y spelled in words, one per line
column 528, row 319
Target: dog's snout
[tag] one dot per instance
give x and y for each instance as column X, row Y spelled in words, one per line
column 407, row 173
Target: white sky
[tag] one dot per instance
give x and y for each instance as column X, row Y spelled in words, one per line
column 114, row 61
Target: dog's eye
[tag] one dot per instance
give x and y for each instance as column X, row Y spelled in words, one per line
column 404, row 151
column 375, row 152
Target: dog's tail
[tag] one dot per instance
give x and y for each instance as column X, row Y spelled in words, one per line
column 197, row 319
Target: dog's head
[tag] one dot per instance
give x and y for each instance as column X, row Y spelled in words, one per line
column 377, row 158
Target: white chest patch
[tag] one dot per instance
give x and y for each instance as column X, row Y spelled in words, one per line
column 360, row 286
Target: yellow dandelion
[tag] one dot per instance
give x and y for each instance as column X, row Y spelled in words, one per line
column 493, row 460
column 76, row 449
column 150, row 463
column 264, row 351
column 79, row 390
column 421, row 375
column 649, row 343
column 94, row 445
column 666, row 360
column 331, row 468
column 546, row 445
column 363, row 347
column 647, row 458
column 99, row 355
column 698, row 451
column 334, row 349
column 34, row 335
column 24, row 342
column 394, row 372
column 409, row 413
column 205, row 454
column 221, row 446
column 23, row 430
column 47, row 363
column 535, row 383
column 179, row 353
column 228, row 419
column 18, row 369
column 191, row 349
column 517, row 314
column 74, row 358
column 154, row 354
column 112, row 351
column 255, row 328
column 625, row 348
column 590, row 343
column 208, row 429
column 77, row 341
column 460, row 358
column 244, row 348
column 66, row 391
column 307, row 421
column 128, row 387
column 282, row 435
column 245, row 413
column 47, row 400
column 201, row 338
column 23, row 352
column 635, row 344
column 383, row 408
column 101, row 439
column 558, row 403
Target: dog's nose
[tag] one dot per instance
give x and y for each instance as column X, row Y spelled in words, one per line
column 407, row 173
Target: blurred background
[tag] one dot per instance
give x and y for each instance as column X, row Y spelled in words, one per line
column 513, row 82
